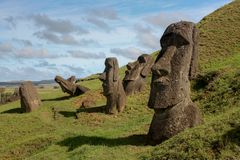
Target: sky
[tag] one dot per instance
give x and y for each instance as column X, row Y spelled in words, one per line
column 42, row 39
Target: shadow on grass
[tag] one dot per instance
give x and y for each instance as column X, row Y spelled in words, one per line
column 58, row 99
column 202, row 81
column 13, row 110
column 75, row 142
column 67, row 113
column 233, row 135
column 99, row 109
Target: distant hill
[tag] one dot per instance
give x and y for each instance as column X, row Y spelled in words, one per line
column 17, row 83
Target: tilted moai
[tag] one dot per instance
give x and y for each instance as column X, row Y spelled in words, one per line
column 29, row 97
column 72, row 79
column 135, row 76
column 170, row 98
column 112, row 87
column 69, row 86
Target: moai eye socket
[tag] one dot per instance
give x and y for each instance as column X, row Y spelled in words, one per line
column 174, row 39
column 161, row 71
column 130, row 66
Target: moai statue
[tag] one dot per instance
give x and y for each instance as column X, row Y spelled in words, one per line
column 29, row 97
column 112, row 87
column 72, row 79
column 170, row 86
column 70, row 86
column 135, row 77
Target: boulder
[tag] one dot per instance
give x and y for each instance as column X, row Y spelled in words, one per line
column 29, row 98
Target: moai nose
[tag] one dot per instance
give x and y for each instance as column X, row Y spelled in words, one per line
column 163, row 66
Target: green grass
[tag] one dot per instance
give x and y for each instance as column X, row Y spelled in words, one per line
column 38, row 135
column 219, row 35
column 48, row 134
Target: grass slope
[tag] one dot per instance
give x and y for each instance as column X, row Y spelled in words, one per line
column 48, row 134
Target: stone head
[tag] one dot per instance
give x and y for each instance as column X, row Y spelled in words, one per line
column 139, row 69
column 174, row 66
column 66, row 85
column 110, row 75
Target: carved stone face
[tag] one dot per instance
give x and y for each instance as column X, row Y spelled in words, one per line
column 173, row 66
column 66, row 85
column 110, row 75
column 139, row 68
column 134, row 80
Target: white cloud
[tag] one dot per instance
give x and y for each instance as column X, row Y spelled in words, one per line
column 6, row 48
column 75, row 69
column 57, row 26
column 163, row 19
column 106, row 12
column 22, row 41
column 86, row 55
column 99, row 23
column 44, row 64
column 24, row 73
column 130, row 52
column 57, row 39
column 11, row 21
column 146, row 37
column 28, row 52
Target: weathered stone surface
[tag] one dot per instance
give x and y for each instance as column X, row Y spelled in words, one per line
column 135, row 76
column 112, row 87
column 70, row 87
column 72, row 79
column 170, row 86
column 29, row 97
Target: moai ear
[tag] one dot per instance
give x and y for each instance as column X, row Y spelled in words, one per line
column 194, row 58
column 115, row 70
column 147, row 68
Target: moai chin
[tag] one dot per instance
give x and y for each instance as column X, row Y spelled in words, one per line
column 112, row 87
column 170, row 98
column 135, row 76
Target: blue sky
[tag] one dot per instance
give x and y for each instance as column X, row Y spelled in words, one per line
column 41, row 39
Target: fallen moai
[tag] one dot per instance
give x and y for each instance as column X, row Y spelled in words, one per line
column 112, row 87
column 170, row 98
column 70, row 86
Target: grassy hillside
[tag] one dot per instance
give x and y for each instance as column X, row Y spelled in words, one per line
column 216, row 91
column 57, row 134
column 219, row 37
